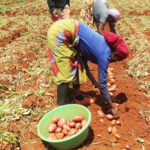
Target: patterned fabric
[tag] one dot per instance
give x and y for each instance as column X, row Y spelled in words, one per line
column 66, row 64
column 86, row 15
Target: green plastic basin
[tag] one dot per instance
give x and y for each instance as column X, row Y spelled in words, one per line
column 66, row 111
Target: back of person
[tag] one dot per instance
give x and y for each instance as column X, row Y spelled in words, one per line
column 56, row 34
column 87, row 11
column 92, row 45
column 100, row 11
column 94, row 48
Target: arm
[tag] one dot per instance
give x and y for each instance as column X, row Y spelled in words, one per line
column 100, row 28
column 102, row 76
column 112, row 108
column 112, row 27
column 83, row 3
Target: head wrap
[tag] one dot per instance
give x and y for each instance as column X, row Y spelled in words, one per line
column 114, row 13
column 117, row 43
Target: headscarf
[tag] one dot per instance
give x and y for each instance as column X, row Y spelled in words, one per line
column 117, row 43
column 114, row 13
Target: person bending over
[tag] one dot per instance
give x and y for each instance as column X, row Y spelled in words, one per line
column 95, row 14
column 71, row 44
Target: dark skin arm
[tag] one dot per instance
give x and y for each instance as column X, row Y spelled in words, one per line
column 111, row 22
column 100, row 28
column 112, row 27
column 108, row 102
column 112, row 108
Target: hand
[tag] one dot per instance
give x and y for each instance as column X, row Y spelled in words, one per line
column 96, row 89
column 95, row 86
column 115, row 113
column 112, row 108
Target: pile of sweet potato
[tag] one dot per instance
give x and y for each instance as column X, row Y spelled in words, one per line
column 60, row 128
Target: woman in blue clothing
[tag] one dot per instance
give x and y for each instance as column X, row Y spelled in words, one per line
column 93, row 47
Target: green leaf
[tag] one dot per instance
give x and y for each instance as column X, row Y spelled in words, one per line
column 44, row 85
column 3, row 8
column 29, row 93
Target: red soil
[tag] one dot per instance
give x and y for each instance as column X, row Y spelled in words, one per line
column 129, row 96
column 130, row 99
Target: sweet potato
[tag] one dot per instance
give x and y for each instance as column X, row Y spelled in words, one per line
column 127, row 147
column 92, row 101
column 110, row 73
column 112, row 81
column 101, row 114
column 114, row 130
column 59, row 135
column 65, row 126
column 111, row 77
column 110, row 69
column 52, row 127
column 111, row 94
column 118, row 122
column 113, row 122
column 108, row 84
column 58, row 130
column 111, row 89
column 65, row 132
column 83, row 122
column 109, row 129
column 117, row 136
column 78, row 126
column 52, row 136
column 70, row 120
column 72, row 132
column 101, row 121
column 61, row 122
column 114, row 86
column 55, row 119
column 77, row 118
column 109, row 116
column 72, row 124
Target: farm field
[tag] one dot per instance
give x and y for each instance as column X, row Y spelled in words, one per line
column 27, row 90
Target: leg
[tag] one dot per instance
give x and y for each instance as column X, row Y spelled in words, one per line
column 62, row 92
column 76, row 89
